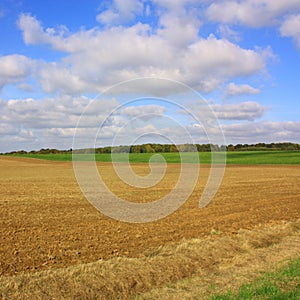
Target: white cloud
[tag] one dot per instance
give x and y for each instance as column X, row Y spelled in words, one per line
column 33, row 124
column 108, row 17
column 241, row 89
column 32, row 30
column 241, row 111
column 253, row 13
column 34, row 34
column 121, row 11
column 147, row 10
column 208, row 115
column 213, row 59
column 178, row 22
column 226, row 32
column 51, row 122
column 144, row 111
column 262, row 132
column 97, row 58
column 25, row 87
column 47, row 113
column 121, row 53
column 54, row 77
column 8, row 129
column 172, row 27
column 291, row 28
column 178, row 7
column 14, row 68
column 251, row 132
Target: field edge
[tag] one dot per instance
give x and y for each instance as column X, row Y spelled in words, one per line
column 169, row 271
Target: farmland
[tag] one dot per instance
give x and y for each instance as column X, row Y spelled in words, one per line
column 236, row 157
column 47, row 224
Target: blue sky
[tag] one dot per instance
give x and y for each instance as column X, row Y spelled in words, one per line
column 243, row 57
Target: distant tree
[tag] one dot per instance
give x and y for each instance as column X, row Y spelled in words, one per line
column 166, row 148
column 173, row 148
column 157, row 147
column 135, row 149
column 152, row 148
column 107, row 149
column 149, row 149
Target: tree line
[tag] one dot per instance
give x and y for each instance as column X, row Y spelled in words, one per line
column 264, row 147
column 162, row 148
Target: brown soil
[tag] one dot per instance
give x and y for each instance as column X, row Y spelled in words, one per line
column 45, row 221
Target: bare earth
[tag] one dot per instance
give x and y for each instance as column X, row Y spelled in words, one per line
column 45, row 221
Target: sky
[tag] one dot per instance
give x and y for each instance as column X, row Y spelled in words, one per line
column 133, row 71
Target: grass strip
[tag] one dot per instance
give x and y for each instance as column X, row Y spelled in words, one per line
column 284, row 283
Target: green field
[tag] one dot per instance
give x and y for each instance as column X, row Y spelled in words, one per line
column 236, row 157
column 281, row 284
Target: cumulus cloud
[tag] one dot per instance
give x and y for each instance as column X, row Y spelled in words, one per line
column 253, row 13
column 25, row 87
column 251, row 132
column 213, row 59
column 14, row 68
column 177, row 18
column 120, row 12
column 8, row 129
column 60, row 112
column 120, row 53
column 52, row 122
column 34, row 34
column 240, row 111
column 177, row 7
column 32, row 30
column 291, row 28
column 262, row 131
column 143, row 112
column 54, row 77
column 246, row 111
column 121, row 49
column 226, row 32
column 32, row 124
column 240, row 89
column 172, row 27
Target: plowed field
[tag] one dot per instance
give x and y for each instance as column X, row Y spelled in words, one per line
column 45, row 221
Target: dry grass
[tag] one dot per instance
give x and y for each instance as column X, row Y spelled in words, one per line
column 255, row 251
column 187, row 270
